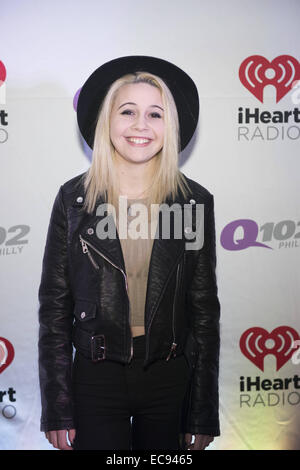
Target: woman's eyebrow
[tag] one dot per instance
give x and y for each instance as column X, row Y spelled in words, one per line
column 152, row 106
column 125, row 104
column 156, row 106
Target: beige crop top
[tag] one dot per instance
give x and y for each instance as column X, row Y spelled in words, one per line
column 137, row 254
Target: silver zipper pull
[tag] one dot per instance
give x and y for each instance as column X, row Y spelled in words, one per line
column 131, row 351
column 172, row 350
column 87, row 251
column 84, row 245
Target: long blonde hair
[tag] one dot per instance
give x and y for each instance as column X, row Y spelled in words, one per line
column 102, row 180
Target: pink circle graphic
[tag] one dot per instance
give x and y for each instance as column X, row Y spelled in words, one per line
column 2, row 73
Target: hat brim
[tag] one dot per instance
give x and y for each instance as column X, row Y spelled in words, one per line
column 182, row 87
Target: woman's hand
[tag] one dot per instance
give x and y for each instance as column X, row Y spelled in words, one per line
column 59, row 438
column 201, row 441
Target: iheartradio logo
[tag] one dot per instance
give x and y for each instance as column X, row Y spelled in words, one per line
column 256, row 72
column 2, row 82
column 7, row 354
column 256, row 343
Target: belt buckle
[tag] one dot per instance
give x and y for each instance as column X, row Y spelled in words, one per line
column 98, row 348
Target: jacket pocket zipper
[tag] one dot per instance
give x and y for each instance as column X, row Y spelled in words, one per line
column 173, row 347
column 85, row 244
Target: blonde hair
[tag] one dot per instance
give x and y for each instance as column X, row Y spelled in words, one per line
column 102, row 180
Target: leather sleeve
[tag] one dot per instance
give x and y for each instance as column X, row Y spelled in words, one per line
column 204, row 309
column 55, row 319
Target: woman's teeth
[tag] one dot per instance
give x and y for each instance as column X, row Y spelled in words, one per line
column 138, row 140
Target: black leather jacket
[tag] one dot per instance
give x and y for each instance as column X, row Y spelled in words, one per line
column 84, row 302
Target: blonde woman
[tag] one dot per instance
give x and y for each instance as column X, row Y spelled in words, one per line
column 126, row 280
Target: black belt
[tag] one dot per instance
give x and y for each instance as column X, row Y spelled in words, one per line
column 91, row 346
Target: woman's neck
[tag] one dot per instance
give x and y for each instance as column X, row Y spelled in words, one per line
column 135, row 179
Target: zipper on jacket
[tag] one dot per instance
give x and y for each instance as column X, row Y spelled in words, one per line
column 85, row 244
column 153, row 315
column 86, row 251
column 173, row 347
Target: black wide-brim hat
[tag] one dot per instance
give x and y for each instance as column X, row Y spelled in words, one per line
column 182, row 87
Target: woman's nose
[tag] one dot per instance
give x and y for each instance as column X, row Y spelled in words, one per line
column 140, row 122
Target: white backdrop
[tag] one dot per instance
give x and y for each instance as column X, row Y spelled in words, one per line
column 48, row 50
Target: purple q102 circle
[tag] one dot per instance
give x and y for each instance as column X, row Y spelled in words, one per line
column 75, row 99
column 250, row 229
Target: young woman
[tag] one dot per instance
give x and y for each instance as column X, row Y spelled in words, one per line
column 141, row 309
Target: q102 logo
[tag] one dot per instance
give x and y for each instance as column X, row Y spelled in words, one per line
column 284, row 232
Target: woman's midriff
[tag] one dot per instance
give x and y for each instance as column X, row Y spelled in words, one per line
column 137, row 330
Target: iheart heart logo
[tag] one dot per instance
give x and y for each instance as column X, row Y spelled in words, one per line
column 2, row 73
column 7, row 354
column 256, row 343
column 256, row 72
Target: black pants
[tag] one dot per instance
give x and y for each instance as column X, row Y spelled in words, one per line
column 107, row 394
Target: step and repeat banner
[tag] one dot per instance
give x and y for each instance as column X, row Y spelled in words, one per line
column 244, row 58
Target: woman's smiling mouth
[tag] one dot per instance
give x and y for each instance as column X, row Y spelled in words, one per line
column 140, row 141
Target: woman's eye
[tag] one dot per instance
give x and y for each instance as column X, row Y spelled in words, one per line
column 155, row 115
column 127, row 112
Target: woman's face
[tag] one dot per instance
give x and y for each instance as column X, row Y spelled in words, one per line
column 137, row 122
